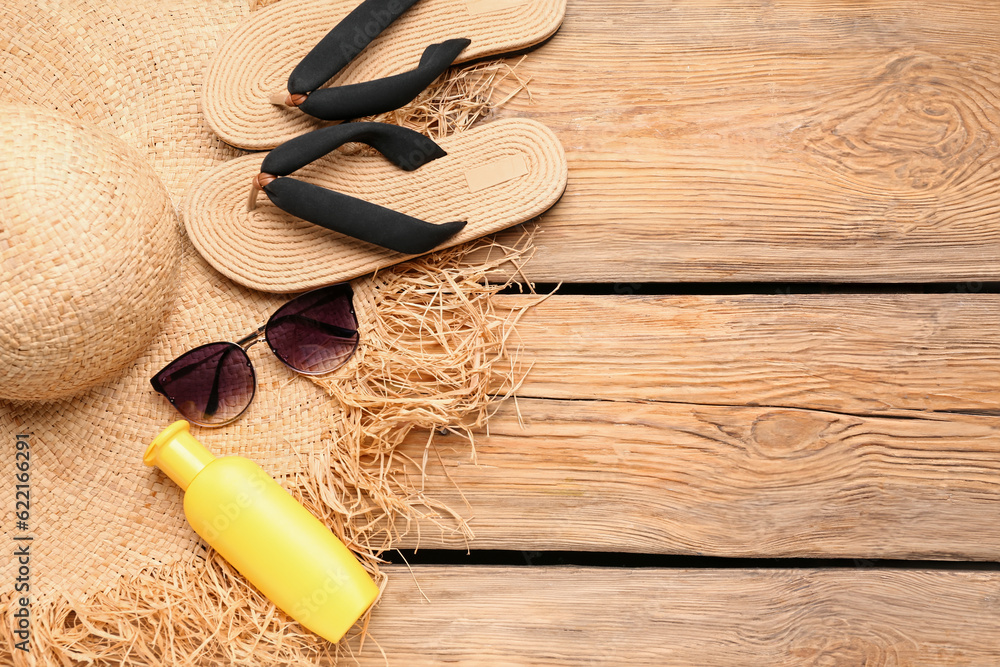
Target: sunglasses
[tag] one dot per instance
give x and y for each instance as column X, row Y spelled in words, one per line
column 314, row 333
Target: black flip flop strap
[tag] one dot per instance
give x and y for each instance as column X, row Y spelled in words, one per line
column 342, row 44
column 405, row 148
column 348, row 215
column 382, row 95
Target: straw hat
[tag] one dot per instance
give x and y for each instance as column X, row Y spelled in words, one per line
column 116, row 574
column 90, row 243
column 97, row 513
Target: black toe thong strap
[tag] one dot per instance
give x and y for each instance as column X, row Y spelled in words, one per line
column 348, row 215
column 341, row 45
column 382, row 95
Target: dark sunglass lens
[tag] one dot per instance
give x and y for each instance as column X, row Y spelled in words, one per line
column 210, row 385
column 317, row 332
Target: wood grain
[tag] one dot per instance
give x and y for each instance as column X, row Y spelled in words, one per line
column 796, row 140
column 572, row 616
column 772, row 426
column 720, row 481
column 870, row 354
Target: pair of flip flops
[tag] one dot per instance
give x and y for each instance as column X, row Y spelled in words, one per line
column 280, row 80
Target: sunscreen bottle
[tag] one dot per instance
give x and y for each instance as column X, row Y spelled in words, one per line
column 272, row 540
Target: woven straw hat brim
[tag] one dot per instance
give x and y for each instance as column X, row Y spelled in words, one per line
column 100, row 512
column 89, row 249
column 268, row 249
column 130, row 67
column 255, row 61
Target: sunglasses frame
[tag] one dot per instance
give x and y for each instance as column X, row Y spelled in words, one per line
column 244, row 344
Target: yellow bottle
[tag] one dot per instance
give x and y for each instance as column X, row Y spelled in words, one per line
column 282, row 549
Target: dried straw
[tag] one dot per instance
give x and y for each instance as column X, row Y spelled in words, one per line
column 460, row 98
column 436, row 356
column 202, row 614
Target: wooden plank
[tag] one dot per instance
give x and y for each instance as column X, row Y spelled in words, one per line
column 572, row 616
column 870, row 354
column 722, row 481
column 818, row 425
column 728, row 140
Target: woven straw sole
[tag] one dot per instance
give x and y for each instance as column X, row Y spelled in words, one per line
column 255, row 60
column 270, row 250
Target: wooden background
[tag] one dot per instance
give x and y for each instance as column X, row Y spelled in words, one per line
column 838, row 141
column 820, row 140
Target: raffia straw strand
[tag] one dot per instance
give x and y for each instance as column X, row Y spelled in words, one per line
column 442, row 359
column 444, row 320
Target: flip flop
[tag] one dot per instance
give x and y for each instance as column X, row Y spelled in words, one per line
column 352, row 214
column 378, row 56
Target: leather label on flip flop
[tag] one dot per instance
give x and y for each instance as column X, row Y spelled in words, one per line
column 477, row 7
column 496, row 172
